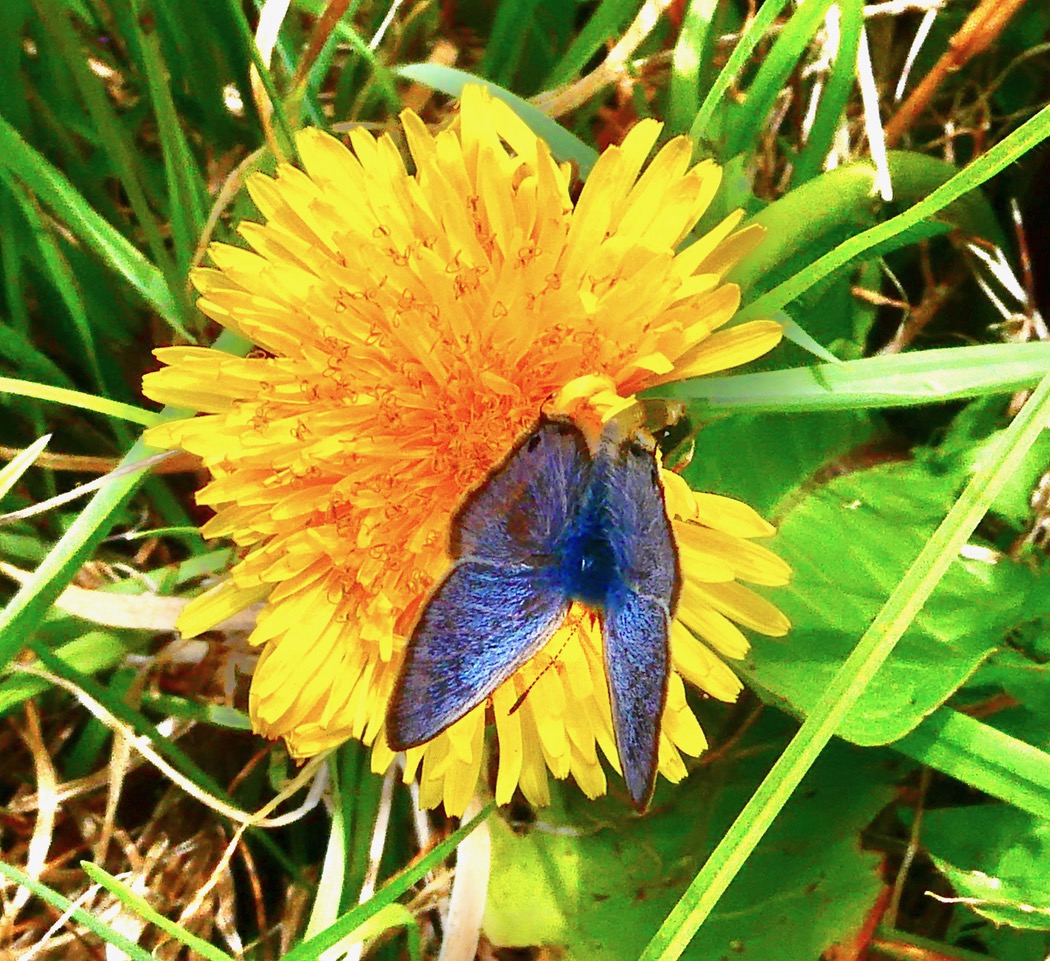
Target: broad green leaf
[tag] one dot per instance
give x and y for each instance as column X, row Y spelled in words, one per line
column 782, row 452
column 849, row 543
column 595, row 883
column 848, row 684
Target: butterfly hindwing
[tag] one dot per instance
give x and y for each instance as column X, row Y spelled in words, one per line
column 638, row 603
column 636, row 522
column 521, row 512
column 480, row 626
column 637, row 664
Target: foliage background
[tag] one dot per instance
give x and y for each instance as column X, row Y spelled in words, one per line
column 126, row 128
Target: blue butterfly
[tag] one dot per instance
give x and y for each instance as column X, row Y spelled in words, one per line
column 552, row 524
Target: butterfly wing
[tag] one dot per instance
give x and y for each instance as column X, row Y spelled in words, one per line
column 635, row 519
column 521, row 512
column 638, row 604
column 636, row 662
column 502, row 601
column 480, row 626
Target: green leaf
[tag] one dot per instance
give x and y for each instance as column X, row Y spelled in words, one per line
column 185, row 188
column 1015, row 145
column 896, row 380
column 140, row 906
column 74, row 398
column 787, row 450
column 55, row 190
column 849, row 543
column 605, row 24
column 835, row 93
column 20, row 463
column 752, row 36
column 594, row 882
column 849, row 683
column 89, row 653
column 692, row 51
column 996, row 858
column 353, row 919
column 749, row 121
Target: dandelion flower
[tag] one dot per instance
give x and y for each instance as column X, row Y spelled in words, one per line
column 409, row 328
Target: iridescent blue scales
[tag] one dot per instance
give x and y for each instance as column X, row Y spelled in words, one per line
column 551, row 525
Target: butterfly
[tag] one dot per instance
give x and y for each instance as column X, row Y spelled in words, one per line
column 552, row 524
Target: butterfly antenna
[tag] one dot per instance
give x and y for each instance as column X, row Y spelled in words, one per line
column 546, row 668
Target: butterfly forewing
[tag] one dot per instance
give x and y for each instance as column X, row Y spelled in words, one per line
column 481, row 625
column 522, row 511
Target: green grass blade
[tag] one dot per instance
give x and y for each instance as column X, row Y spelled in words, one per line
column 1009, row 149
column 20, row 463
column 185, row 191
column 513, row 23
column 88, row 653
column 63, row 905
column 749, row 122
column 850, row 680
column 979, row 755
column 79, row 541
column 140, row 906
column 62, row 198
column 331, row 884
column 80, row 400
column 738, row 59
column 279, row 120
column 168, row 749
column 381, row 73
column 603, row 25
column 311, row 948
column 897, row 380
column 835, row 94
column 28, row 606
column 113, row 137
column 56, row 267
column 691, row 52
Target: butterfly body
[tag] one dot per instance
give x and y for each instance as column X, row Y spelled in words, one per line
column 553, row 524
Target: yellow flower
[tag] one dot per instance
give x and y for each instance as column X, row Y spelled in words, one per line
column 410, row 326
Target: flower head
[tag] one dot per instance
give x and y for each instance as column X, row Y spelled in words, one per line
column 410, row 327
